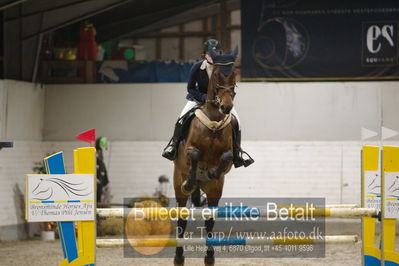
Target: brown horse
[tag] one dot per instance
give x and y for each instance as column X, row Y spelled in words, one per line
column 206, row 155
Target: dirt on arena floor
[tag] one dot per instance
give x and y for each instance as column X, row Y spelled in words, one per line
column 36, row 252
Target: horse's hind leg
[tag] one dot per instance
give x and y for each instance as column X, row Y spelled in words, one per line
column 210, row 252
column 225, row 159
column 180, row 229
column 190, row 184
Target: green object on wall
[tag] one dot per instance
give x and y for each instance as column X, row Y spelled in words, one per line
column 129, row 54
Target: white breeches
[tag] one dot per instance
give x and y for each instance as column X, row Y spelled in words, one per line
column 191, row 104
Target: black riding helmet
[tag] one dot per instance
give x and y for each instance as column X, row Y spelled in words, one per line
column 212, row 44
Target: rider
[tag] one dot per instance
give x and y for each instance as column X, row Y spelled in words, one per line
column 197, row 88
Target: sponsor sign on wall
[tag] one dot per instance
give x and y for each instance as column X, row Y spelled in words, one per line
column 320, row 40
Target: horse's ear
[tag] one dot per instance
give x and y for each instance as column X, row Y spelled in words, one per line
column 212, row 53
column 234, row 53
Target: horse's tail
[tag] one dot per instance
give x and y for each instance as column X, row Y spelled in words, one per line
column 196, row 198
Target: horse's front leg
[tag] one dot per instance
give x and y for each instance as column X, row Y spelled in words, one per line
column 210, row 252
column 225, row 159
column 180, row 229
column 190, row 184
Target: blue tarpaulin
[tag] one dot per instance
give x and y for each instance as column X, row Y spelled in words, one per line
column 141, row 72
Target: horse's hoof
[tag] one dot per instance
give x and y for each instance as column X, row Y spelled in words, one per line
column 178, row 261
column 209, row 261
column 188, row 188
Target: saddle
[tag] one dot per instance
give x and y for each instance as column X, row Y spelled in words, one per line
column 185, row 122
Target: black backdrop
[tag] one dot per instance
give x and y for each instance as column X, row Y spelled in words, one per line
column 319, row 39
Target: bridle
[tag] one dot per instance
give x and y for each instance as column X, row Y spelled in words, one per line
column 230, row 89
column 216, row 99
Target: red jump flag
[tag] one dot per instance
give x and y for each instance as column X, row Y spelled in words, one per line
column 88, row 136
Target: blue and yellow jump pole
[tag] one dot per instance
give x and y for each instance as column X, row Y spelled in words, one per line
column 80, row 251
column 370, row 163
column 390, row 164
column 309, row 211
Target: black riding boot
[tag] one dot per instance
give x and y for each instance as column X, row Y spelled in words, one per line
column 238, row 153
column 170, row 150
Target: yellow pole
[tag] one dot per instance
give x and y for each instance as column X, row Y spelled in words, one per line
column 85, row 163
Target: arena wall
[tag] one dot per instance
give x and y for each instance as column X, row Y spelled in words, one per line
column 303, row 136
column 309, row 111
column 21, row 120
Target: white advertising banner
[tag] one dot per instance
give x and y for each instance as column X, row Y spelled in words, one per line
column 372, row 189
column 57, row 198
column 391, row 194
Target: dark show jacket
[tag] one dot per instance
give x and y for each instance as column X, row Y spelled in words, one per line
column 198, row 80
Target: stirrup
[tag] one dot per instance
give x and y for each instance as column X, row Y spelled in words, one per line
column 249, row 161
column 240, row 161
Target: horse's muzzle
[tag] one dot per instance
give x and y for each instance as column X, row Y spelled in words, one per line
column 226, row 109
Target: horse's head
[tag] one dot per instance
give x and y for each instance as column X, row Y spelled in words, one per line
column 223, row 80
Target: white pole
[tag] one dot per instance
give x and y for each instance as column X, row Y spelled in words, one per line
column 154, row 242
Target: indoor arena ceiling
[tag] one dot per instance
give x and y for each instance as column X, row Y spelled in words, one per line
column 25, row 22
column 112, row 18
